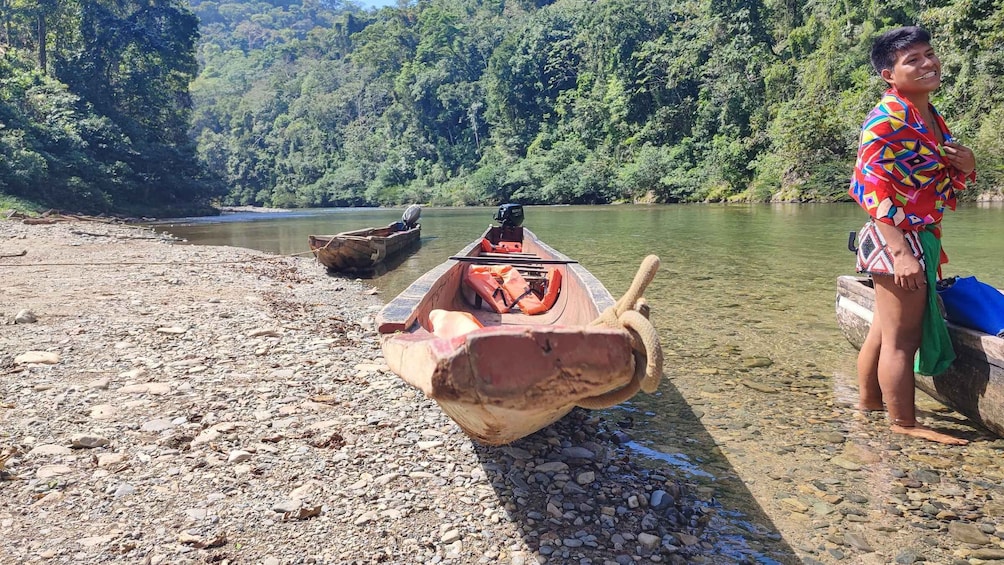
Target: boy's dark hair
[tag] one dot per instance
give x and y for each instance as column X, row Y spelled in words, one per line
column 887, row 45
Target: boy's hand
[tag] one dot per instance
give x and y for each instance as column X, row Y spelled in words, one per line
column 960, row 156
column 908, row 274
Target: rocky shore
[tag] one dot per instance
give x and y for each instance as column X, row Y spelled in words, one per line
column 165, row 403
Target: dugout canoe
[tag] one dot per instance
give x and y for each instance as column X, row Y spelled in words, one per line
column 519, row 373
column 973, row 385
column 365, row 250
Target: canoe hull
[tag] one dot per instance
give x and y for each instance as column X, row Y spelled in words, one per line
column 362, row 250
column 519, row 373
column 972, row 386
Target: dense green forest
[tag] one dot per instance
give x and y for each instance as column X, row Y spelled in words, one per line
column 95, row 106
column 295, row 103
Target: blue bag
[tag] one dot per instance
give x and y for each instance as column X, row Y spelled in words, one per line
column 973, row 304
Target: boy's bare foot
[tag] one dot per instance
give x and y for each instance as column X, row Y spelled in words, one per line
column 870, row 406
column 928, row 434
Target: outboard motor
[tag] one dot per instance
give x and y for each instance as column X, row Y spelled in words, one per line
column 509, row 215
column 410, row 216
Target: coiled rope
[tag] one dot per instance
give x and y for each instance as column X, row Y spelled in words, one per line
column 631, row 313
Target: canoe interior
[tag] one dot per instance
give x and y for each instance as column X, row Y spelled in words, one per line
column 520, row 372
column 581, row 298
column 972, row 386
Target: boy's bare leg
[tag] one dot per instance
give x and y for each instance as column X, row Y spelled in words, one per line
column 869, row 392
column 900, row 315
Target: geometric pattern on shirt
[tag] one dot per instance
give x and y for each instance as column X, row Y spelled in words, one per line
column 900, row 175
column 911, row 163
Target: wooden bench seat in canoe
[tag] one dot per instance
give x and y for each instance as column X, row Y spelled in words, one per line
column 507, row 259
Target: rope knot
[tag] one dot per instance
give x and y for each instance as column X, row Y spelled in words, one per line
column 631, row 313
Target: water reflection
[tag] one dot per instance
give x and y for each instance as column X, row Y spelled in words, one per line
column 676, row 460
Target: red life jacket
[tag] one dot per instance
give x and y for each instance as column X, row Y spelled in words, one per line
column 501, row 247
column 502, row 288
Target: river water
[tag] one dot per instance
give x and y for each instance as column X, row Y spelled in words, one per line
column 744, row 295
column 760, row 275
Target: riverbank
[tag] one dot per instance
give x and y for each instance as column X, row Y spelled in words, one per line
column 188, row 404
column 165, row 403
column 251, row 209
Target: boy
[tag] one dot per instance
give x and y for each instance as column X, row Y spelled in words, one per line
column 907, row 171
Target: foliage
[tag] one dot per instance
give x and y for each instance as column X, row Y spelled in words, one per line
column 94, row 106
column 120, row 103
column 478, row 102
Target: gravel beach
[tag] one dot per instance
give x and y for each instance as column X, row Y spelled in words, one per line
column 166, row 403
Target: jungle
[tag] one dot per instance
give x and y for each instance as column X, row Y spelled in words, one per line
column 172, row 107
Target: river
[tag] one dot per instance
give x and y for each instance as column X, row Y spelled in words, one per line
column 762, row 275
column 744, row 303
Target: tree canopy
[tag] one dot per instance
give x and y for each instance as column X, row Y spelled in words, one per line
column 95, row 105
column 573, row 101
column 300, row 103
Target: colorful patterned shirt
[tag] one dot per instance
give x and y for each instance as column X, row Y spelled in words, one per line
column 901, row 176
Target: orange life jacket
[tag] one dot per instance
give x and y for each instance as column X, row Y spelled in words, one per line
column 519, row 291
column 488, row 290
column 501, row 247
column 553, row 288
column 502, row 288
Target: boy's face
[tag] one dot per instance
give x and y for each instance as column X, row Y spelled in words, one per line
column 917, row 70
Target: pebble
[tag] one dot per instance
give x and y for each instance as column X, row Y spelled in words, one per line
column 968, row 533
column 50, row 471
column 37, row 357
column 25, row 317
column 50, row 449
column 88, row 441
